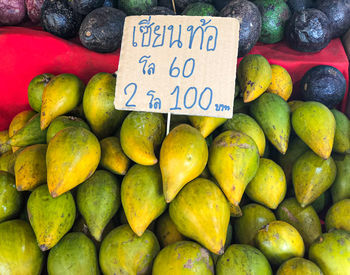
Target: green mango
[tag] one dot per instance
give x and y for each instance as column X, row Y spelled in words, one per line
column 331, row 252
column 247, row 125
column 36, row 88
column 341, row 187
column 98, row 105
column 273, row 115
column 123, row 252
column 142, row 196
column 228, row 242
column 312, row 176
column 299, row 266
column 254, row 217
column 183, row 258
column 19, row 253
column 243, row 259
column 338, row 216
column 294, row 104
column 314, row 123
column 74, row 254
column 295, row 149
column 342, row 132
column 240, row 107
column 4, row 146
column 322, row 202
column 12, row 160
column 98, row 200
column 10, row 198
column 305, row 220
column 62, row 122
column 30, row 134
column 50, row 218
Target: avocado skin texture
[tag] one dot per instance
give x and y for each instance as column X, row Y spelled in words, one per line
column 85, row 6
column 159, row 10
column 298, row 5
column 325, row 84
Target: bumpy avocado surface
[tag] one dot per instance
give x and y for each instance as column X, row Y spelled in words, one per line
column 136, row 7
column 58, row 18
column 85, row 6
column 200, row 9
column 182, row 4
column 308, row 31
column 250, row 23
column 338, row 13
column 325, row 84
column 298, row 5
column 102, row 29
column 159, row 10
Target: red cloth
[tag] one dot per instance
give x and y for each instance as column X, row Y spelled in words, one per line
column 27, row 52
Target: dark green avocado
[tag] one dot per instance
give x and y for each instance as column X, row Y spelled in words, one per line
column 325, row 84
column 200, row 9
column 181, row 5
column 308, row 31
column 102, row 29
column 58, row 18
column 274, row 15
column 159, row 10
column 298, row 5
column 136, row 7
column 85, row 6
column 250, row 23
column 338, row 13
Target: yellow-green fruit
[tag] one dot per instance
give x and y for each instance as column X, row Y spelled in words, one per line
column 299, row 266
column 98, row 105
column 98, row 200
column 314, row 123
column 201, row 205
column 342, row 133
column 10, row 198
column 142, row 196
column 4, row 146
column 254, row 217
column 273, row 115
column 331, row 252
column 233, row 161
column 62, row 122
column 243, row 259
column 281, row 82
column 74, row 254
column 140, row 136
column 269, row 186
column 19, row 253
column 183, row 258
column 279, row 241
column 61, row 95
column 312, row 175
column 338, row 216
column 341, row 187
column 50, row 218
column 296, row 148
column 113, row 158
column 206, row 125
column 254, row 76
column 72, row 157
column 123, row 252
column 166, row 231
column 240, row 107
column 305, row 220
column 183, row 157
column 36, row 88
column 11, row 160
column 247, row 125
column 30, row 167
column 294, row 104
column 5, row 160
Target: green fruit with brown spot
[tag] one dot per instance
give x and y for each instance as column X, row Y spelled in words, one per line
column 273, row 115
column 4, row 161
column 305, row 220
column 4, row 146
column 299, row 266
column 254, row 217
column 50, row 218
column 98, row 104
column 331, row 252
column 183, row 258
column 341, row 187
column 19, row 252
column 123, row 252
column 98, row 200
column 36, row 88
column 243, row 259
column 166, row 231
column 10, row 198
column 338, row 216
column 342, row 133
column 74, row 254
column 312, row 175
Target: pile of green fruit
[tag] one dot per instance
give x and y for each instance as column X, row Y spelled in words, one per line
column 85, row 187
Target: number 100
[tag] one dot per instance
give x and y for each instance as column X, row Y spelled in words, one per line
column 205, row 95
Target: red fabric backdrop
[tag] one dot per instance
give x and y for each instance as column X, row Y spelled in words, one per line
column 27, row 52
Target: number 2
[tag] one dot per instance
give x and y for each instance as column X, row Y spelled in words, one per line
column 127, row 104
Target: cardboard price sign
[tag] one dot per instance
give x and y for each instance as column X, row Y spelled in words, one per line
column 178, row 65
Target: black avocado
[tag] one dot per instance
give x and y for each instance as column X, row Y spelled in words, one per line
column 85, row 6
column 110, row 3
column 298, row 5
column 136, row 7
column 159, row 10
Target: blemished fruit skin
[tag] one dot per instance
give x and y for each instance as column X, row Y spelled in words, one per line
column 4, row 146
column 36, row 89
column 338, row 216
column 299, row 266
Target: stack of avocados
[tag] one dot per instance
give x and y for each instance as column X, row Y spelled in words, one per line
column 86, row 188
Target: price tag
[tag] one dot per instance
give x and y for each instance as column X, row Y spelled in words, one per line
column 178, row 65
